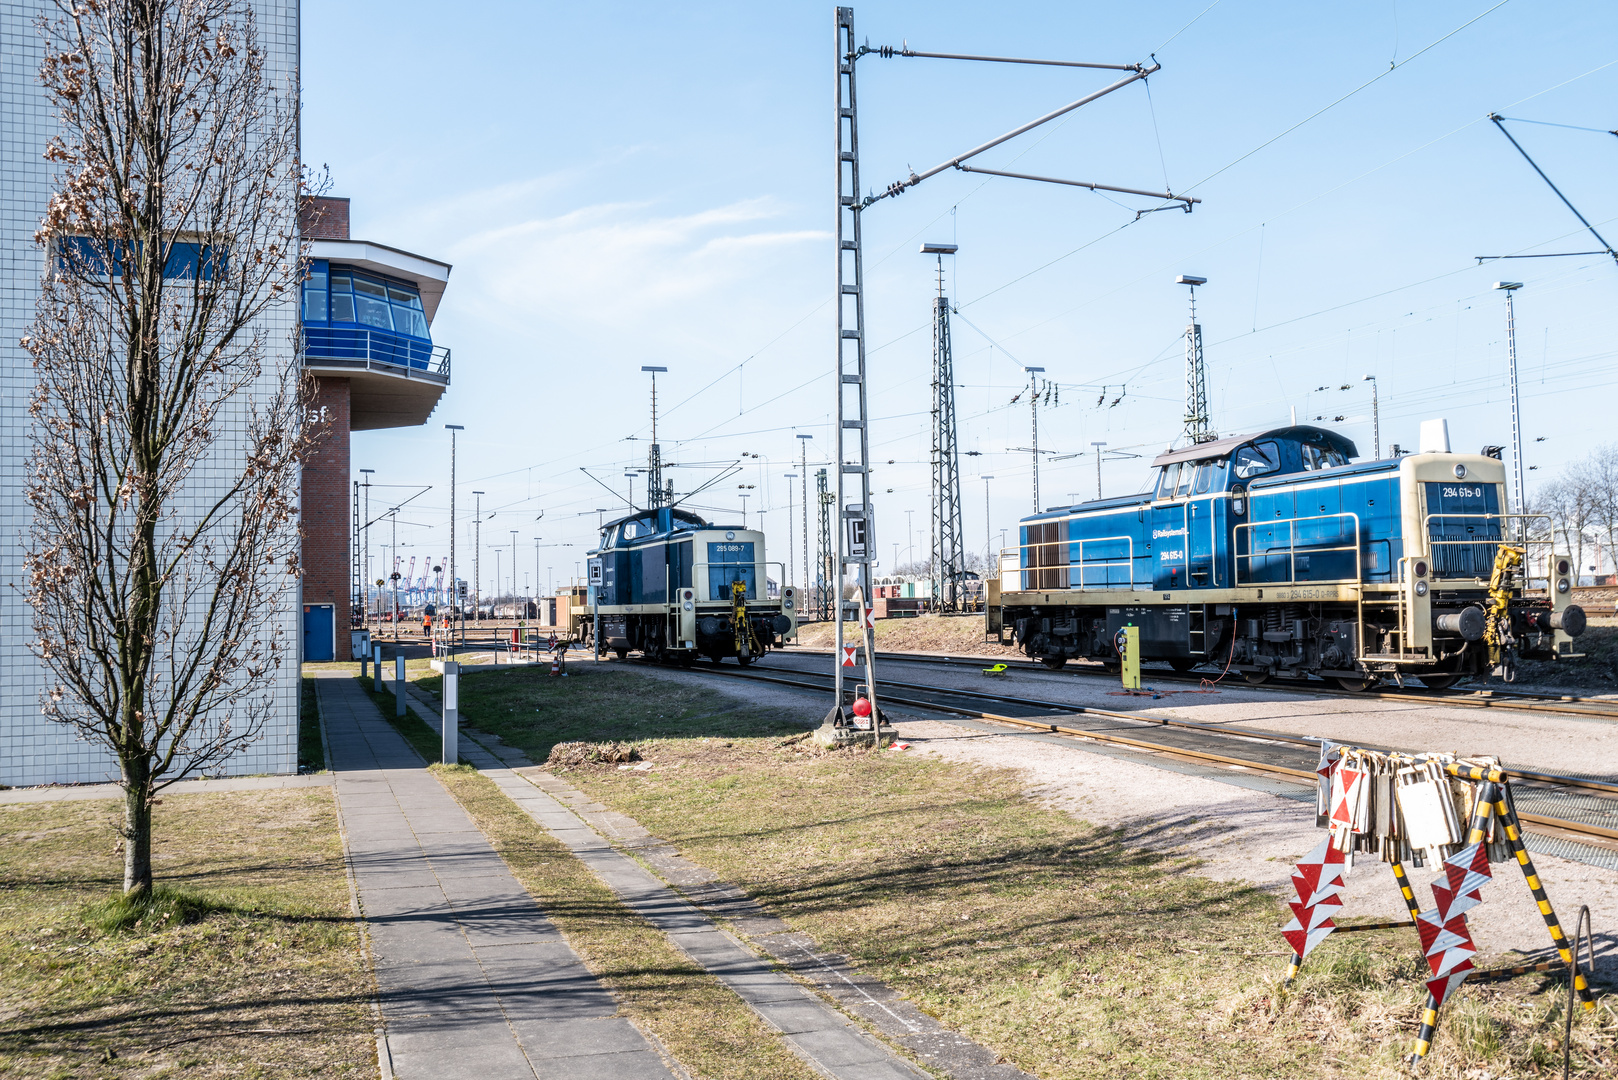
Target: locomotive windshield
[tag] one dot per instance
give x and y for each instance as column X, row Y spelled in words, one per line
column 1256, row 460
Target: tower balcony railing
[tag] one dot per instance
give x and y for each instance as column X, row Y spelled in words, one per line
column 361, row 347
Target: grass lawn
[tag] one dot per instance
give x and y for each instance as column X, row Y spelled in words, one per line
column 311, row 751
column 1036, row 934
column 247, row 965
column 598, row 702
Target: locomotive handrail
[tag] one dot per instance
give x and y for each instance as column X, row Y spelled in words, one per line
column 1527, row 542
column 1291, row 550
column 1128, row 561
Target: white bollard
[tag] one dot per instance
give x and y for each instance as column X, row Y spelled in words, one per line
column 452, row 727
column 399, row 686
column 376, row 669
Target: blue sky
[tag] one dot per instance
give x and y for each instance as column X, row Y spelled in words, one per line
column 624, row 184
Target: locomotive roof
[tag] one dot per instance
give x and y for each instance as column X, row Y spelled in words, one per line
column 1304, row 433
column 679, row 515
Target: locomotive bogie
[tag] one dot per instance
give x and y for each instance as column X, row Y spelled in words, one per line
column 1270, row 555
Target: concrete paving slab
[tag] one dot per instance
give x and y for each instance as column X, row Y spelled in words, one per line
column 463, row 956
column 563, row 1039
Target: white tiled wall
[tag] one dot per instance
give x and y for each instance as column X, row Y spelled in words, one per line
column 34, row 750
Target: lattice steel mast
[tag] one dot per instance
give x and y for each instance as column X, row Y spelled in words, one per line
column 947, row 539
column 855, row 540
column 827, row 556
column 1198, row 428
column 855, row 543
column 655, row 494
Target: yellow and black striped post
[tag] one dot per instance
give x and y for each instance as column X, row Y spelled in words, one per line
column 1480, row 828
column 1293, row 968
column 1405, row 890
column 1508, row 816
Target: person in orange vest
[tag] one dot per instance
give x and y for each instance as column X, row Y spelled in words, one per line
column 427, row 626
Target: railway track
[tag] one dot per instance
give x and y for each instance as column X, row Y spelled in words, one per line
column 1582, row 809
column 1512, row 700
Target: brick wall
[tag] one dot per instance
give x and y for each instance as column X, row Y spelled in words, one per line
column 322, row 218
column 327, row 501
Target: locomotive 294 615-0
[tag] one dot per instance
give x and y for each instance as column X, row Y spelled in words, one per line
column 1274, row 555
column 673, row 587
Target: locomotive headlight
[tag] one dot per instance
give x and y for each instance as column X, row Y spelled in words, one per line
column 1561, row 566
column 689, row 606
column 1460, row 471
column 1561, row 586
column 787, row 603
column 1421, row 569
column 1421, row 588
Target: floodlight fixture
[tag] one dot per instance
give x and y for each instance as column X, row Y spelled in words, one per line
column 1190, row 279
column 1507, row 285
column 939, row 249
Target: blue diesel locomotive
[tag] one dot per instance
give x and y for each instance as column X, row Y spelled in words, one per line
column 673, row 587
column 1274, row 555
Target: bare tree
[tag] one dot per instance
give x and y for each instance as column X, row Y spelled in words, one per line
column 1599, row 476
column 1568, row 504
column 163, row 472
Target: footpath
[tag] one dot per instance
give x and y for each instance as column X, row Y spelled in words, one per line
column 607, row 841
column 473, row 980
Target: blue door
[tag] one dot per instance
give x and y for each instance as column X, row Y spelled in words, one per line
column 318, row 629
column 1169, row 546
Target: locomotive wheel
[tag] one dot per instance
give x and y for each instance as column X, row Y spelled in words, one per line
column 687, row 658
column 1183, row 664
column 715, row 659
column 1055, row 663
column 1440, row 682
column 623, row 654
column 1353, row 686
column 1256, row 678
column 744, row 660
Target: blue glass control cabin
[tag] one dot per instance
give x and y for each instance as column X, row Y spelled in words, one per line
column 1274, row 553
column 356, row 314
column 664, row 585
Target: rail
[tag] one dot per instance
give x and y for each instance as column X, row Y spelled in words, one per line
column 374, row 350
column 1481, row 563
column 1291, row 551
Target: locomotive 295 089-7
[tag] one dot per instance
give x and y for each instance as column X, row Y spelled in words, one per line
column 668, row 584
column 1274, row 555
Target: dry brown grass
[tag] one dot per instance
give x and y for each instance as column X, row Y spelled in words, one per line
column 247, row 965
column 959, row 635
column 1053, row 942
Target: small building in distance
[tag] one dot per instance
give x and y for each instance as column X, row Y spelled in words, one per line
column 366, row 332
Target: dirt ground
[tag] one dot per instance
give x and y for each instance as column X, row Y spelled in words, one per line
column 961, row 635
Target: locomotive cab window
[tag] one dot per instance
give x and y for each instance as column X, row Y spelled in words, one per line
column 1167, row 481
column 1210, row 476
column 1320, row 457
column 1257, row 460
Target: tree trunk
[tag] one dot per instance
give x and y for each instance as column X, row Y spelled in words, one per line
column 137, row 830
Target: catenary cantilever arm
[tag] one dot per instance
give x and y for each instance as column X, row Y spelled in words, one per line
column 1497, row 118
column 1188, row 200
column 888, row 52
column 913, row 179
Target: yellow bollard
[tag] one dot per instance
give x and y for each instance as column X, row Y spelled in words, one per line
column 1130, row 657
